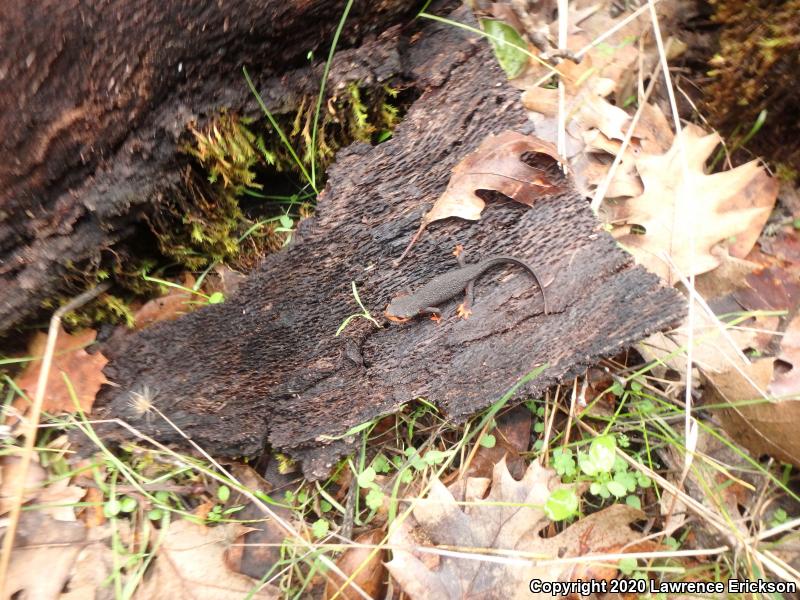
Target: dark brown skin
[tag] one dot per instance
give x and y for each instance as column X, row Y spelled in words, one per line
column 447, row 285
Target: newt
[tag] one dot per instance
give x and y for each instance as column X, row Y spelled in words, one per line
column 443, row 287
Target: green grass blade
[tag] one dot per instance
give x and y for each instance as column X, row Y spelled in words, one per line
column 322, row 85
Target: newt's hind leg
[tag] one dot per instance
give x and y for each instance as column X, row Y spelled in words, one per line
column 458, row 252
column 464, row 309
column 435, row 313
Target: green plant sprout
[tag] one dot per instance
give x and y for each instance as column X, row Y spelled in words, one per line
column 512, row 48
column 364, row 314
column 280, row 131
column 740, row 140
column 779, row 517
column 285, row 225
column 410, row 464
column 608, row 473
column 562, row 504
column 214, row 298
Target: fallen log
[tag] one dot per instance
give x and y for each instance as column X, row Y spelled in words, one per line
column 266, row 368
column 95, row 98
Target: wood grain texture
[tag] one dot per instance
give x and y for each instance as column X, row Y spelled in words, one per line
column 266, row 368
column 95, row 97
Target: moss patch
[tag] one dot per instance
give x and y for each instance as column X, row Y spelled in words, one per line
column 241, row 193
column 354, row 114
column 756, row 68
column 234, row 158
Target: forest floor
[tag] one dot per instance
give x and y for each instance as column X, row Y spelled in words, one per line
column 665, row 471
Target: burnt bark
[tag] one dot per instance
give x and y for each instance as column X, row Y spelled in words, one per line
column 95, row 96
column 266, row 367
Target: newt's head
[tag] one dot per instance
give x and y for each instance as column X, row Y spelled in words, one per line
column 401, row 309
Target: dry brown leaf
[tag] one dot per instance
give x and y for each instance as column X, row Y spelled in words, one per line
column 591, row 162
column 773, row 288
column 786, row 379
column 10, row 474
column 92, row 514
column 497, row 165
column 653, row 131
column 90, row 575
column 626, row 180
column 512, row 436
column 84, row 371
column 261, row 544
column 612, row 60
column 726, row 279
column 44, row 553
column 510, row 518
column 595, row 127
column 588, row 108
column 652, row 135
column 586, row 85
column 685, row 218
column 164, row 308
column 711, row 351
column 371, row 575
column 763, row 427
column 190, row 564
column 718, row 478
column 59, row 499
column 173, row 304
column 607, row 68
column 784, row 244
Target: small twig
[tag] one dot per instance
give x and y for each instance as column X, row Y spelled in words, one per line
column 563, row 16
column 572, row 401
column 32, row 424
column 346, row 531
column 415, row 237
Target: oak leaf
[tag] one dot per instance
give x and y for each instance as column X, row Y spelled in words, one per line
column 672, row 228
column 786, row 379
column 364, row 565
column 10, row 480
column 44, row 554
column 712, row 352
column 586, row 86
column 626, row 181
column 190, row 564
column 84, row 371
column 497, row 165
column 510, row 518
column 763, row 426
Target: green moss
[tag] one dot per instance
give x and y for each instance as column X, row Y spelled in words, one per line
column 201, row 221
column 108, row 308
column 355, row 114
column 757, row 68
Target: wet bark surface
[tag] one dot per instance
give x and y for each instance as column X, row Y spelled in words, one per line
column 95, row 98
column 265, row 367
